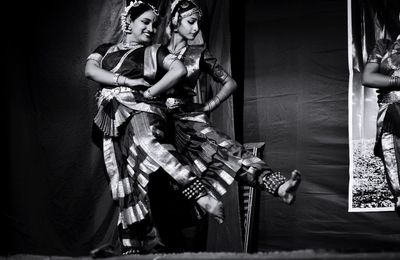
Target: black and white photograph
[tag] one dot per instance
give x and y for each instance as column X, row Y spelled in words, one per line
column 201, row 129
column 372, row 186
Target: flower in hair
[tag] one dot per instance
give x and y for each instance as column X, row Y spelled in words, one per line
column 139, row 2
column 124, row 14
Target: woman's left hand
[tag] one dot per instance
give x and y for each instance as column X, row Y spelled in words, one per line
column 137, row 82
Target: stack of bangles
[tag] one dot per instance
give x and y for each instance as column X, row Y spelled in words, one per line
column 116, row 80
column 213, row 103
column 394, row 81
column 147, row 94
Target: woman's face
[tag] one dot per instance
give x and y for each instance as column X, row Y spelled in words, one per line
column 143, row 27
column 189, row 27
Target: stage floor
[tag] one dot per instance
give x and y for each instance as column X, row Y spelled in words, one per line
column 301, row 254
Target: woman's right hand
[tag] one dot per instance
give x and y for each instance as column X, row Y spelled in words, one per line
column 137, row 82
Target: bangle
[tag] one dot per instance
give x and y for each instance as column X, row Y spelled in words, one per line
column 147, row 94
column 124, row 84
column 115, row 77
column 394, row 81
column 218, row 100
column 213, row 103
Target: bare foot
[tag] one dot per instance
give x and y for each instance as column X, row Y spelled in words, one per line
column 212, row 206
column 287, row 191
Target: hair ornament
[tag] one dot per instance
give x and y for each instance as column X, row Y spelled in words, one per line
column 173, row 5
column 174, row 19
column 124, row 14
column 139, row 2
column 191, row 12
column 176, row 5
column 185, row 4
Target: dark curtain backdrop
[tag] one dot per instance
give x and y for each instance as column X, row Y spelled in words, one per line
column 295, row 100
column 56, row 195
column 58, row 201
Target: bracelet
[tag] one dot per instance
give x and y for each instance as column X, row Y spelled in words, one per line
column 394, row 81
column 124, row 81
column 147, row 94
column 115, row 77
column 218, row 100
column 213, row 103
column 210, row 105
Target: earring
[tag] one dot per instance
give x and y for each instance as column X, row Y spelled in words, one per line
column 125, row 24
column 175, row 20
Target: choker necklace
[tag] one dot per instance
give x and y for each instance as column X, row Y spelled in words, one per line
column 131, row 45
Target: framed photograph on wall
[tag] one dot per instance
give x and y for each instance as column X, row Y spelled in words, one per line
column 368, row 22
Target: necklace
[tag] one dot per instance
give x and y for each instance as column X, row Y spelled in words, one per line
column 178, row 53
column 130, row 45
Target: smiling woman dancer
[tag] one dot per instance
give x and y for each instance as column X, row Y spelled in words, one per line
column 133, row 125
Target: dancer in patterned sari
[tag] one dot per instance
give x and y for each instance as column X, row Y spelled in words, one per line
column 134, row 125
column 382, row 71
column 214, row 156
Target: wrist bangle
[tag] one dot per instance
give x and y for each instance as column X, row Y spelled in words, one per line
column 217, row 101
column 213, row 103
column 124, row 81
column 147, row 94
column 394, row 81
column 208, row 106
column 115, row 77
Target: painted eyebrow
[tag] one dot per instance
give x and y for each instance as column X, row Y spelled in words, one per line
column 147, row 19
